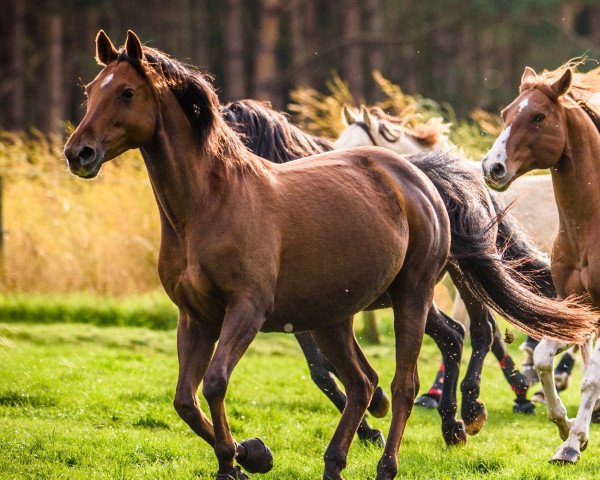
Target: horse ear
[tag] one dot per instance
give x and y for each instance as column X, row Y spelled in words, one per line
column 528, row 75
column 347, row 115
column 563, row 84
column 367, row 117
column 105, row 50
column 133, row 46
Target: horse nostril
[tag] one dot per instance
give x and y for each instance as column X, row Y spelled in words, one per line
column 86, row 155
column 498, row 170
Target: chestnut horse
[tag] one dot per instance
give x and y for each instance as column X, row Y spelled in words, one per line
column 249, row 246
column 552, row 124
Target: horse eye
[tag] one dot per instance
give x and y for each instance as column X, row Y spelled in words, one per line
column 539, row 118
column 128, row 93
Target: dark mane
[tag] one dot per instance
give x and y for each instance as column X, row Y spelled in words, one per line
column 269, row 134
column 199, row 102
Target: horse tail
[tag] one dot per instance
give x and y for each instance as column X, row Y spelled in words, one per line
column 527, row 259
column 492, row 279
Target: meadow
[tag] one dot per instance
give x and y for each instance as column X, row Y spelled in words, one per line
column 79, row 401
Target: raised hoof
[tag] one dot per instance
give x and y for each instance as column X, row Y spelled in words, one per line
column 235, row 474
column 258, row 458
column 478, row 422
column 526, row 407
column 380, row 404
column 455, row 435
column 427, row 401
column 374, row 437
column 538, row 397
column 565, row 456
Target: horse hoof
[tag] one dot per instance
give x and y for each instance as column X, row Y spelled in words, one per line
column 524, row 407
column 235, row 474
column 258, row 458
column 474, row 426
column 380, row 404
column 455, row 435
column 374, row 437
column 427, row 401
column 538, row 397
column 565, row 456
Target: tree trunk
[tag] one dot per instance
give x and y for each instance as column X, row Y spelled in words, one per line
column 16, row 105
column 56, row 98
column 200, row 50
column 352, row 59
column 235, row 87
column 376, row 56
column 369, row 331
column 303, row 30
column 265, row 71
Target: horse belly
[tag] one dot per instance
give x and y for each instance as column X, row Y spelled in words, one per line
column 327, row 282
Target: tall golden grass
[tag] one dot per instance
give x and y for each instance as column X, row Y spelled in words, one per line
column 65, row 234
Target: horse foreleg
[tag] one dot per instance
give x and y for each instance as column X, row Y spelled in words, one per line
column 322, row 374
column 340, row 347
column 449, row 337
column 240, row 326
column 543, row 359
column 195, row 346
column 571, row 449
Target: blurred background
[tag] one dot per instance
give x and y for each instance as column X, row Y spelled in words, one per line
column 452, row 59
column 469, row 53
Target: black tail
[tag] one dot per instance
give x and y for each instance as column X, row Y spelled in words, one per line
column 526, row 257
column 491, row 278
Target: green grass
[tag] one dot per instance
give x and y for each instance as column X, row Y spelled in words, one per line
column 152, row 310
column 84, row 402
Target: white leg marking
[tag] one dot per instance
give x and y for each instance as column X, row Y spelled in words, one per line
column 590, row 391
column 543, row 359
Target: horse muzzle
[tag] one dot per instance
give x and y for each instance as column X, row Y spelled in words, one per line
column 84, row 161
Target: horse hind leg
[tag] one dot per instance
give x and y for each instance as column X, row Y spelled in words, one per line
column 577, row 440
column 340, row 347
column 412, row 295
column 322, row 374
column 449, row 337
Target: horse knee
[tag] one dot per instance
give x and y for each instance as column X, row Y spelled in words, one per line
column 543, row 358
column 185, row 406
column 215, row 387
column 322, row 377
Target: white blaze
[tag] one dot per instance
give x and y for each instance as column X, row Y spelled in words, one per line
column 106, row 81
column 498, row 151
column 523, row 104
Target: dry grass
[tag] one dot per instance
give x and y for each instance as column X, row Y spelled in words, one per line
column 66, row 234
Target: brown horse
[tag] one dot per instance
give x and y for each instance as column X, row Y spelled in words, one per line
column 251, row 246
column 552, row 124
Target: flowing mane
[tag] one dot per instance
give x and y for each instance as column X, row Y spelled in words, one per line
column 584, row 87
column 199, row 102
column 430, row 133
column 269, row 133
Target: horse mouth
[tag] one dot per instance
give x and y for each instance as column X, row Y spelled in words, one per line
column 87, row 172
column 498, row 187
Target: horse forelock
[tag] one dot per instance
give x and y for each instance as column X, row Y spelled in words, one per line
column 199, row 102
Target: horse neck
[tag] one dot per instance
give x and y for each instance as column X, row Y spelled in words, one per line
column 406, row 145
column 576, row 176
column 186, row 180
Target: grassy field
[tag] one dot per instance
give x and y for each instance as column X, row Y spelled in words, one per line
column 81, row 402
